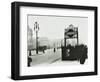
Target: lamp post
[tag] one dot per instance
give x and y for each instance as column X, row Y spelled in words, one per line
column 36, row 29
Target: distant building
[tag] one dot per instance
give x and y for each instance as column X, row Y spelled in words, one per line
column 29, row 38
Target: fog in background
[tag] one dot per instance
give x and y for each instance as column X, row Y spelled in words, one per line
column 51, row 28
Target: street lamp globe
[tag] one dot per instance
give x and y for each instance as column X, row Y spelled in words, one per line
column 36, row 26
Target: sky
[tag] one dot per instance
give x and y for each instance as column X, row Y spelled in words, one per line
column 53, row 27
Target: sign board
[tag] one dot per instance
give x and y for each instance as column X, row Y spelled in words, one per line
column 71, row 32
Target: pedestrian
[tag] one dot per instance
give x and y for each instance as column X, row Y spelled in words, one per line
column 54, row 50
column 29, row 61
column 43, row 51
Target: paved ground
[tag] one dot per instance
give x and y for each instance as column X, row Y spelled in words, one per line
column 45, row 58
column 50, row 58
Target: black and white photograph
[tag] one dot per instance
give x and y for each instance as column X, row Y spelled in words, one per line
column 56, row 40
column 53, row 40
